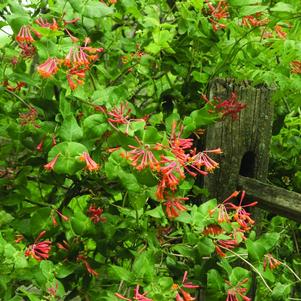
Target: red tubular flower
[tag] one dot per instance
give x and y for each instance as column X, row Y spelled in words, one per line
column 19, row 238
column 213, row 229
column 63, row 246
column 24, row 35
column 29, row 117
column 178, row 145
column 254, row 21
column 73, row 21
column 95, row 214
column 90, row 164
column 39, row 250
column 40, row 145
column 83, row 259
column 73, row 38
column 119, row 114
column 142, row 157
column 137, row 296
column 218, row 13
column 241, row 216
column 271, row 262
column 182, row 295
column 197, row 161
column 45, row 24
column 296, row 67
column 280, row 33
column 222, row 208
column 174, row 206
column 48, row 68
column 50, row 165
column 234, row 292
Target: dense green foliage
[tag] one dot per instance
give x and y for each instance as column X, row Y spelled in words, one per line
column 124, row 82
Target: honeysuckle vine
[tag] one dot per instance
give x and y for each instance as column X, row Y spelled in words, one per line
column 104, row 111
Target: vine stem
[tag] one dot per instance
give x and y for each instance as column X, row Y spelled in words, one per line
column 18, row 97
column 252, row 266
column 292, row 271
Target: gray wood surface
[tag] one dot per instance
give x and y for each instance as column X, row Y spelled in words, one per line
column 275, row 199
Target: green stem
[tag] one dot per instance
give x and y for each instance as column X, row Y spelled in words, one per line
column 251, row 265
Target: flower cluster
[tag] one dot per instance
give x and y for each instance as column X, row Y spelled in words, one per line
column 217, row 13
column 170, row 162
column 271, row 262
column 29, row 117
column 39, row 250
column 226, row 107
column 45, row 24
column 183, row 295
column 235, row 292
column 25, row 41
column 95, row 214
column 77, row 61
column 254, row 21
column 296, row 67
column 137, row 296
column 228, row 212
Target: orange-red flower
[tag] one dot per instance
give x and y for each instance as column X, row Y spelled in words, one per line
column 142, row 157
column 254, row 21
column 24, row 35
column 271, row 262
column 296, row 67
column 83, row 259
column 48, row 68
column 182, row 295
column 45, row 24
column 137, row 296
column 218, row 13
column 174, row 205
column 241, row 216
column 213, row 229
column 280, row 33
column 29, row 117
column 95, row 214
column 236, row 291
column 39, row 250
column 50, row 165
column 90, row 164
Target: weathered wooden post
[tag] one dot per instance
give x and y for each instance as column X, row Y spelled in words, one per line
column 245, row 142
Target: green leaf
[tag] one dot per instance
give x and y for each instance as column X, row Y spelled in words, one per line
column 256, row 250
column 250, row 10
column 5, row 218
column 156, row 213
column 184, row 250
column 68, row 161
column 121, row 273
column 144, row 266
column 151, row 135
column 40, row 220
column 92, row 9
column 282, row 7
column 238, row 274
column 200, row 77
column 244, row 3
column 70, row 130
column 95, row 126
column 129, row 181
column 205, row 247
column 97, row 10
column 215, row 281
column 17, row 21
column 281, row 291
column 269, row 240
